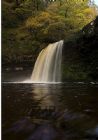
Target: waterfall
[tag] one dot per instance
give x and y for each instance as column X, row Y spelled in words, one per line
column 47, row 67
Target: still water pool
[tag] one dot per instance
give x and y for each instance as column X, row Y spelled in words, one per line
column 65, row 111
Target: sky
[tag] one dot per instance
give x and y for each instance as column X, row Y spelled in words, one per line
column 96, row 2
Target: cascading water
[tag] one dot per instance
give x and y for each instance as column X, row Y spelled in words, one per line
column 48, row 64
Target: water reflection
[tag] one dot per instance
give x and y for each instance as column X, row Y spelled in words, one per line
column 49, row 112
column 45, row 94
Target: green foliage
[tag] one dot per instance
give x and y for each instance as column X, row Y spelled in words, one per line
column 54, row 32
column 76, row 13
column 73, row 72
column 18, row 46
column 47, row 26
column 23, row 13
column 8, row 16
column 31, row 24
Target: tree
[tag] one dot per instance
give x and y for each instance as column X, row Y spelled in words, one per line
column 17, row 3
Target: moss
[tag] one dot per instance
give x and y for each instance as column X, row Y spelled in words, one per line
column 75, row 73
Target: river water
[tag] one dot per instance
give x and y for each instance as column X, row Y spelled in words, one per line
column 64, row 111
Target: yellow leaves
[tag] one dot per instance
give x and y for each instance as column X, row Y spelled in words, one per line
column 73, row 15
column 53, row 7
column 32, row 22
column 43, row 20
column 38, row 21
column 44, row 15
column 88, row 11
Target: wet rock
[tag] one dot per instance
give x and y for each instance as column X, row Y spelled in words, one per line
column 24, row 125
column 44, row 132
column 93, row 133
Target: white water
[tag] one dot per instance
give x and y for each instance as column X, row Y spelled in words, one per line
column 48, row 64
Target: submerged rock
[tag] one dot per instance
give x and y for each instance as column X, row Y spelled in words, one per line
column 44, row 132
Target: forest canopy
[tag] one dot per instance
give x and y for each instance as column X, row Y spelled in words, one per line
column 29, row 25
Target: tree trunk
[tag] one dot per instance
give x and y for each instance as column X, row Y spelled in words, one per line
column 17, row 2
column 37, row 6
